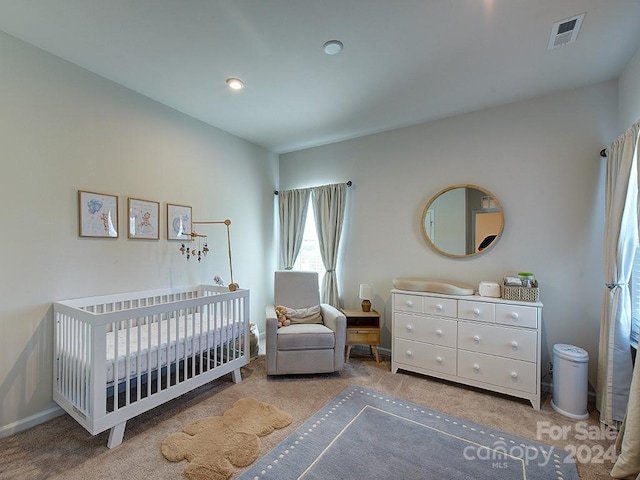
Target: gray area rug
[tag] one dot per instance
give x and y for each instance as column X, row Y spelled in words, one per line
column 363, row 434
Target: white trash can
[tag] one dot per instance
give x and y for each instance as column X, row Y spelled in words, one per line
column 570, row 381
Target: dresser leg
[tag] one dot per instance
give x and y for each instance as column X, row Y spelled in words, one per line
column 535, row 402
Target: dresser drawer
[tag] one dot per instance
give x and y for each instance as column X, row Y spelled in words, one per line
column 443, row 307
column 517, row 316
column 431, row 357
column 438, row 331
column 481, row 311
column 506, row 342
column 408, row 303
column 503, row 372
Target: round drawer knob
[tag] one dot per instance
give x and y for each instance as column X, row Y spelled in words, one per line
column 476, row 312
column 514, row 375
column 514, row 345
column 439, row 333
column 476, row 339
column 476, row 367
column 409, row 303
column 439, row 308
column 439, row 360
column 409, row 353
column 409, row 328
column 514, row 315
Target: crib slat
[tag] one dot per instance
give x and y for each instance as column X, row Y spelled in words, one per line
column 149, row 353
column 127, row 363
column 204, row 337
column 217, row 321
column 116, row 364
column 181, row 346
column 195, row 336
column 159, row 350
column 139, row 358
column 229, row 305
column 82, row 355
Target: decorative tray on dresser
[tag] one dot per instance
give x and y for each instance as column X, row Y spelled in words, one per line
column 483, row 342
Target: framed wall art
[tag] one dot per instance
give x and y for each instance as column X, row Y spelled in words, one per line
column 178, row 222
column 144, row 219
column 97, row 214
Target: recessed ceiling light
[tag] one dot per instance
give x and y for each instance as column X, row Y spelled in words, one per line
column 333, row 47
column 235, row 83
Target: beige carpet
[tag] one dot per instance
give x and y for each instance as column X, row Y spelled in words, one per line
column 62, row 449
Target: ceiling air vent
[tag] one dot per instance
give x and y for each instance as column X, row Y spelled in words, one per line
column 565, row 31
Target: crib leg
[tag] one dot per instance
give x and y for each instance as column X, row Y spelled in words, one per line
column 116, row 434
column 237, row 378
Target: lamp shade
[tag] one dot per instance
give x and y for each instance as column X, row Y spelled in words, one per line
column 366, row 291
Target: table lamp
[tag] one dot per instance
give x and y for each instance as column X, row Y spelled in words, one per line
column 366, row 291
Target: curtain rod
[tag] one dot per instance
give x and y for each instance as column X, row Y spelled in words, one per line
column 349, row 183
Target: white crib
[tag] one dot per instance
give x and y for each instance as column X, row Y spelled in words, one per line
column 117, row 356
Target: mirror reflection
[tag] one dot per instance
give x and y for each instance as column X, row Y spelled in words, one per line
column 462, row 221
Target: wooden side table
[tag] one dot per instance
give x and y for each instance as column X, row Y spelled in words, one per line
column 363, row 328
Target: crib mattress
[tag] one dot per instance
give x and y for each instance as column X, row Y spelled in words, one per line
column 161, row 343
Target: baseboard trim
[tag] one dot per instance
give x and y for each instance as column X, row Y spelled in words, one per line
column 385, row 351
column 26, row 423
column 381, row 350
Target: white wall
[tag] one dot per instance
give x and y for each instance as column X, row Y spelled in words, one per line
column 63, row 129
column 540, row 158
column 629, row 85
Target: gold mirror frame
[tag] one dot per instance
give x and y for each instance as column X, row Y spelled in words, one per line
column 484, row 202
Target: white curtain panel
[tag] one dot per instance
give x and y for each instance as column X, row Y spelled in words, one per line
column 329, row 207
column 628, row 442
column 621, row 238
column 292, row 205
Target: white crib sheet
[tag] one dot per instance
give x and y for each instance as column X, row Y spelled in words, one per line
column 172, row 343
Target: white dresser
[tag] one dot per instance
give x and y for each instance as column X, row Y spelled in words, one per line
column 484, row 342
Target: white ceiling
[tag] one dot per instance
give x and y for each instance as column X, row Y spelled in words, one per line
column 404, row 61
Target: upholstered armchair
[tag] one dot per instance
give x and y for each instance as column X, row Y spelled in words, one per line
column 305, row 346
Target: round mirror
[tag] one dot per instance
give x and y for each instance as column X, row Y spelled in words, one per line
column 462, row 221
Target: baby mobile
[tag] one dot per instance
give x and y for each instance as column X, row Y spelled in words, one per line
column 192, row 252
column 203, row 249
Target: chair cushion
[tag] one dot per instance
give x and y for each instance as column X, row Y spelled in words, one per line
column 295, row 288
column 305, row 336
column 304, row 315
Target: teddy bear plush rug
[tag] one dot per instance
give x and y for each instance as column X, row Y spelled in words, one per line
column 214, row 445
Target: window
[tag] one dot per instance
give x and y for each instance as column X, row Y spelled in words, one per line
column 309, row 257
column 635, row 299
